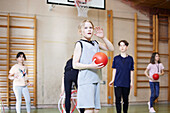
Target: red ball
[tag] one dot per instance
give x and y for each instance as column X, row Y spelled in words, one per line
column 155, row 76
column 100, row 58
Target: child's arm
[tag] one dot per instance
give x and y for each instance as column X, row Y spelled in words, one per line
column 162, row 72
column 28, row 82
column 113, row 77
column 146, row 73
column 11, row 76
column 76, row 59
column 107, row 45
column 131, row 84
column 62, row 87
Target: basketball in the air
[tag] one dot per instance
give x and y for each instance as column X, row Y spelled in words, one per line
column 155, row 76
column 100, row 58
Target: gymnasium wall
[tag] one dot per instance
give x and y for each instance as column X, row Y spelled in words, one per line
column 57, row 34
column 123, row 28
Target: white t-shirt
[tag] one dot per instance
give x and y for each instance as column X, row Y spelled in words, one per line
column 20, row 71
column 155, row 68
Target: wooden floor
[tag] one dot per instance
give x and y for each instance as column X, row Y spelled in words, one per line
column 160, row 108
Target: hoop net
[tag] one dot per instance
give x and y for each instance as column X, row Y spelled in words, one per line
column 82, row 7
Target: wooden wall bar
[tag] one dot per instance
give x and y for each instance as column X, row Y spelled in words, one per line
column 142, row 34
column 169, row 58
column 110, row 56
column 135, row 54
column 154, row 35
column 11, row 45
column 157, row 34
column 35, row 63
column 8, row 58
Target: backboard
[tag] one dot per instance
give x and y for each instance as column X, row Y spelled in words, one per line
column 95, row 4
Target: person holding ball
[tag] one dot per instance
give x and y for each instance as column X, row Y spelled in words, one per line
column 100, row 57
column 155, row 67
column 88, row 95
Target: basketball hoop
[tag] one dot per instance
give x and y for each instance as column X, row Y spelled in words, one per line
column 82, row 7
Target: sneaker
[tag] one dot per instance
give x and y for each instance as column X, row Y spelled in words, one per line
column 148, row 105
column 151, row 110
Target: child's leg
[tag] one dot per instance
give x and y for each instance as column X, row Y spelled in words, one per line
column 152, row 93
column 89, row 110
column 118, row 93
column 89, row 96
column 97, row 97
column 18, row 95
column 125, row 93
column 82, row 110
column 156, row 90
column 96, row 110
column 27, row 98
column 67, row 87
column 75, row 81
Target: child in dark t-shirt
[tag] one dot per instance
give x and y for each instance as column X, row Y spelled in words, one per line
column 123, row 67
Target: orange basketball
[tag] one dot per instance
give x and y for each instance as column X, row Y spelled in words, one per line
column 155, row 76
column 100, row 58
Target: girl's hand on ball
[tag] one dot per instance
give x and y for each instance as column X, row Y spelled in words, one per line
column 93, row 65
column 100, row 59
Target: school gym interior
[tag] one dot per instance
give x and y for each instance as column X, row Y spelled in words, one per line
column 46, row 31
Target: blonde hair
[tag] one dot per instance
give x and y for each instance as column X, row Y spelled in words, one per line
column 83, row 23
